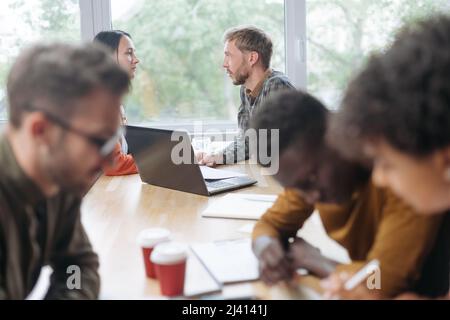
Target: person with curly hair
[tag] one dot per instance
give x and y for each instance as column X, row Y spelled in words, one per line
column 370, row 222
column 396, row 113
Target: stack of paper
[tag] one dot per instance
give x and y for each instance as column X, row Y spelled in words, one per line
column 240, row 206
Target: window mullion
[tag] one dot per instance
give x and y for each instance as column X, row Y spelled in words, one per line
column 295, row 38
column 95, row 17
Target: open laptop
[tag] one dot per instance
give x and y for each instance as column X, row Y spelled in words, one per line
column 165, row 158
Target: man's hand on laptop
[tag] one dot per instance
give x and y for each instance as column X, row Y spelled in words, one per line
column 208, row 159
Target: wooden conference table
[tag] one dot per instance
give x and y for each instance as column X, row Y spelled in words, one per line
column 118, row 208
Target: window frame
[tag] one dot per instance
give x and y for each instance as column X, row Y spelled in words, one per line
column 295, row 52
column 95, row 16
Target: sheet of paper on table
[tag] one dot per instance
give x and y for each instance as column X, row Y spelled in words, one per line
column 239, row 206
column 198, row 281
column 216, row 174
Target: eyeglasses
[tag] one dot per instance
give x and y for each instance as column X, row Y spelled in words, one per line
column 105, row 146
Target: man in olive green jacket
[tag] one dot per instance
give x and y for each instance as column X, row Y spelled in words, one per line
column 64, row 111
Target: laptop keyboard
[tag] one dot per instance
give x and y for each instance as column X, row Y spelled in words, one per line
column 218, row 184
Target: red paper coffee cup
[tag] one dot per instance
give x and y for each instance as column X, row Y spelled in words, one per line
column 148, row 239
column 170, row 265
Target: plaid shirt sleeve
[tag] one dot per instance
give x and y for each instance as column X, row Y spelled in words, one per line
column 238, row 150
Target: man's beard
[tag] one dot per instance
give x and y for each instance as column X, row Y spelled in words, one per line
column 61, row 171
column 241, row 76
column 240, row 79
column 68, row 183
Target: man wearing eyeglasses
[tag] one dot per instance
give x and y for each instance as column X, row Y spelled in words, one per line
column 64, row 107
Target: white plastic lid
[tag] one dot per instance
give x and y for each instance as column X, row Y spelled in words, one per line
column 169, row 253
column 150, row 237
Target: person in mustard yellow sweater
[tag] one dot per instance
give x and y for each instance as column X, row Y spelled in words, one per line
column 369, row 221
column 411, row 157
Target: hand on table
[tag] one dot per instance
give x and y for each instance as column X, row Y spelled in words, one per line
column 210, row 160
column 274, row 265
column 304, row 255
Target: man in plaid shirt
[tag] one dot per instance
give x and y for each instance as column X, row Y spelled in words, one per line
column 248, row 51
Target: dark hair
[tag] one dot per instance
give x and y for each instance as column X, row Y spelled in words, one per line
column 111, row 39
column 403, row 95
column 53, row 77
column 299, row 117
column 252, row 39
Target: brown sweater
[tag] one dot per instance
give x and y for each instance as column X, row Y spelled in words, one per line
column 373, row 224
column 35, row 232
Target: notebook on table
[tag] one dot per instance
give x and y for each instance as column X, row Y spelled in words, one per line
column 228, row 261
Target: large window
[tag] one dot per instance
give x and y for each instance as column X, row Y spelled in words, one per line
column 25, row 21
column 179, row 42
column 342, row 33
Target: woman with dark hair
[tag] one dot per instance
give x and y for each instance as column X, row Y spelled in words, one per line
column 396, row 113
column 121, row 45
